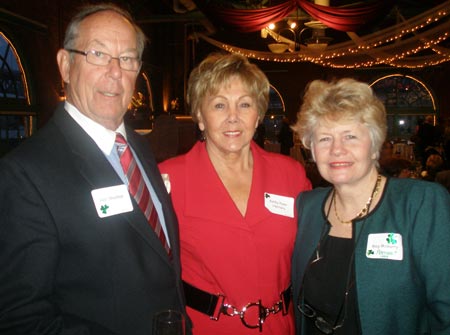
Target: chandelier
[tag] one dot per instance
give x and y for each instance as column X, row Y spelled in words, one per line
column 317, row 40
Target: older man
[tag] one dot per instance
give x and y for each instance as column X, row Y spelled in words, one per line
column 88, row 236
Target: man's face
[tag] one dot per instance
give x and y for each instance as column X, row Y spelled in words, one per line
column 102, row 93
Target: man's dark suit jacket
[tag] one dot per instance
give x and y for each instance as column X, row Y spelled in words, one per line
column 64, row 270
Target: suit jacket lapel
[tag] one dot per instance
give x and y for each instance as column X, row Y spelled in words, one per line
column 99, row 173
column 92, row 164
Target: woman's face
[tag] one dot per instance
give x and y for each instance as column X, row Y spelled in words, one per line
column 229, row 118
column 343, row 151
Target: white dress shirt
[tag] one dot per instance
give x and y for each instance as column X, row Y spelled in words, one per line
column 105, row 140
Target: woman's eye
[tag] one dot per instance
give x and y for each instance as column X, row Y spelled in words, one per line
column 245, row 105
column 350, row 137
column 219, row 106
column 324, row 139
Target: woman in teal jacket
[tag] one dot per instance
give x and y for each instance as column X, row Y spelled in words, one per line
column 372, row 253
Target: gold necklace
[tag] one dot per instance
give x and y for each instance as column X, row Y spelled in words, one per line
column 365, row 209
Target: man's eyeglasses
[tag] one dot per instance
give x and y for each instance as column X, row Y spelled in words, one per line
column 101, row 58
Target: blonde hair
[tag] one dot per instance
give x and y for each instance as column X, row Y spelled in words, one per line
column 342, row 99
column 217, row 70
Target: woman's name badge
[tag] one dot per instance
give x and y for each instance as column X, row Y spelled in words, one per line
column 279, row 204
column 385, row 246
column 112, row 200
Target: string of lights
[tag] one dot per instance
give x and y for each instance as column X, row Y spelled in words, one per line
column 401, row 45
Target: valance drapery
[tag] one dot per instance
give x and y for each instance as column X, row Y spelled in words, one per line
column 348, row 18
column 401, row 45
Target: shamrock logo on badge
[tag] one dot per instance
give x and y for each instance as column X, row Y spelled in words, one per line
column 104, row 208
column 390, row 239
column 112, row 200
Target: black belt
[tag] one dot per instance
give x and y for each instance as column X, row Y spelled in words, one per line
column 213, row 305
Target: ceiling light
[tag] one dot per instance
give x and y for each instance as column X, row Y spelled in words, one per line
column 278, row 48
column 292, row 24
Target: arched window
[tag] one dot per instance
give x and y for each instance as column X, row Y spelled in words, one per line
column 408, row 101
column 140, row 110
column 16, row 120
column 274, row 115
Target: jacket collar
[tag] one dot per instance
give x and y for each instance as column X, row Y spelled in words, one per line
column 210, row 193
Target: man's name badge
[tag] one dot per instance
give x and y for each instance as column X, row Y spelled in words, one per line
column 279, row 204
column 385, row 246
column 112, row 200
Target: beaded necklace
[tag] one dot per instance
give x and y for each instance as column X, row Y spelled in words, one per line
column 365, row 209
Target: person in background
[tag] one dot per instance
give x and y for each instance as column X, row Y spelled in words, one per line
column 446, row 142
column 397, row 167
column 425, row 138
column 386, row 151
column 443, row 178
column 77, row 253
column 433, row 165
column 235, row 205
column 371, row 253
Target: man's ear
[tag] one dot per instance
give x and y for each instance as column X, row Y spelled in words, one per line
column 63, row 60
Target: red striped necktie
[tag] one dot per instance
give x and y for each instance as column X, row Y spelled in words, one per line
column 138, row 189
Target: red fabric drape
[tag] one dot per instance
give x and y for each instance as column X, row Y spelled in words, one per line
column 247, row 20
column 344, row 19
column 250, row 20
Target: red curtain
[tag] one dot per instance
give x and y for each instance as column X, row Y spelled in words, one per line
column 246, row 20
column 344, row 19
column 250, row 20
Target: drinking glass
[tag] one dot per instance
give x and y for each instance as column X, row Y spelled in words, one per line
column 169, row 322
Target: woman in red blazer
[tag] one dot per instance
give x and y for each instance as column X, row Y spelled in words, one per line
column 235, row 206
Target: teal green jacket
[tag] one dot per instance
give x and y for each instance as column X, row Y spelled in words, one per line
column 395, row 297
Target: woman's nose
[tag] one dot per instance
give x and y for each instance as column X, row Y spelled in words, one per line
column 232, row 114
column 337, row 148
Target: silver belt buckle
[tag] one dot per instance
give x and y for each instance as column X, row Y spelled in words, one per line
column 262, row 314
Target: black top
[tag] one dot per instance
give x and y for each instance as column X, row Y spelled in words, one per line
column 325, row 283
